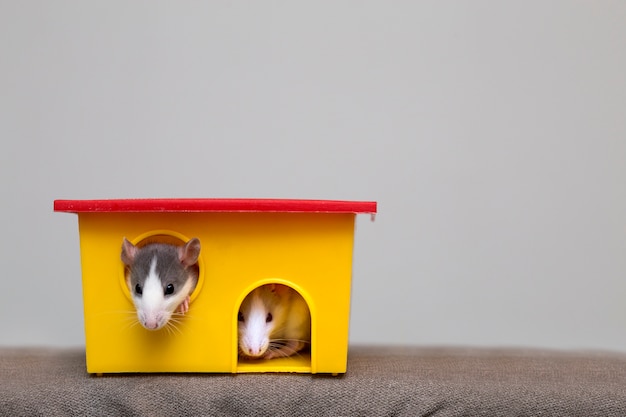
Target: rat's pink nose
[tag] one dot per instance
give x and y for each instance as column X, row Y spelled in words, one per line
column 152, row 321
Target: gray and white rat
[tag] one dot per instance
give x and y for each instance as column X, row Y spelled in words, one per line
column 160, row 278
column 274, row 322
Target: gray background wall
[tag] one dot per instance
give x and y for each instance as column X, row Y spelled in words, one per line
column 492, row 134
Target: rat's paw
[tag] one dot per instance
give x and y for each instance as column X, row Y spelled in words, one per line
column 271, row 354
column 184, row 306
column 288, row 349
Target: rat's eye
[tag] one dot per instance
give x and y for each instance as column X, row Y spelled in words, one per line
column 169, row 289
column 268, row 318
column 240, row 316
column 138, row 289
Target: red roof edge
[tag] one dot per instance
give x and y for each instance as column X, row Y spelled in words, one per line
column 198, row 205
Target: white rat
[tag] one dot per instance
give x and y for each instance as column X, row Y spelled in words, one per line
column 274, row 321
column 160, row 278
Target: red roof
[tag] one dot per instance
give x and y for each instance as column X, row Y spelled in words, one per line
column 165, row 205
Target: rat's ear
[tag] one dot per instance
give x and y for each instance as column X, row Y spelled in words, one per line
column 189, row 252
column 129, row 251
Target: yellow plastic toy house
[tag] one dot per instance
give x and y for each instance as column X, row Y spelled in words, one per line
column 245, row 243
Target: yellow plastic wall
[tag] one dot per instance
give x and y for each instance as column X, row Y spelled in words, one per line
column 311, row 252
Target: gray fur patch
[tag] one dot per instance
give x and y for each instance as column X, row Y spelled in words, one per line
column 169, row 268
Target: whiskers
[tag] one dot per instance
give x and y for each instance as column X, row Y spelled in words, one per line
column 128, row 320
column 283, row 348
column 176, row 322
column 280, row 348
column 127, row 317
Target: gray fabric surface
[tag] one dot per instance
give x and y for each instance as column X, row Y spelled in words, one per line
column 380, row 381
